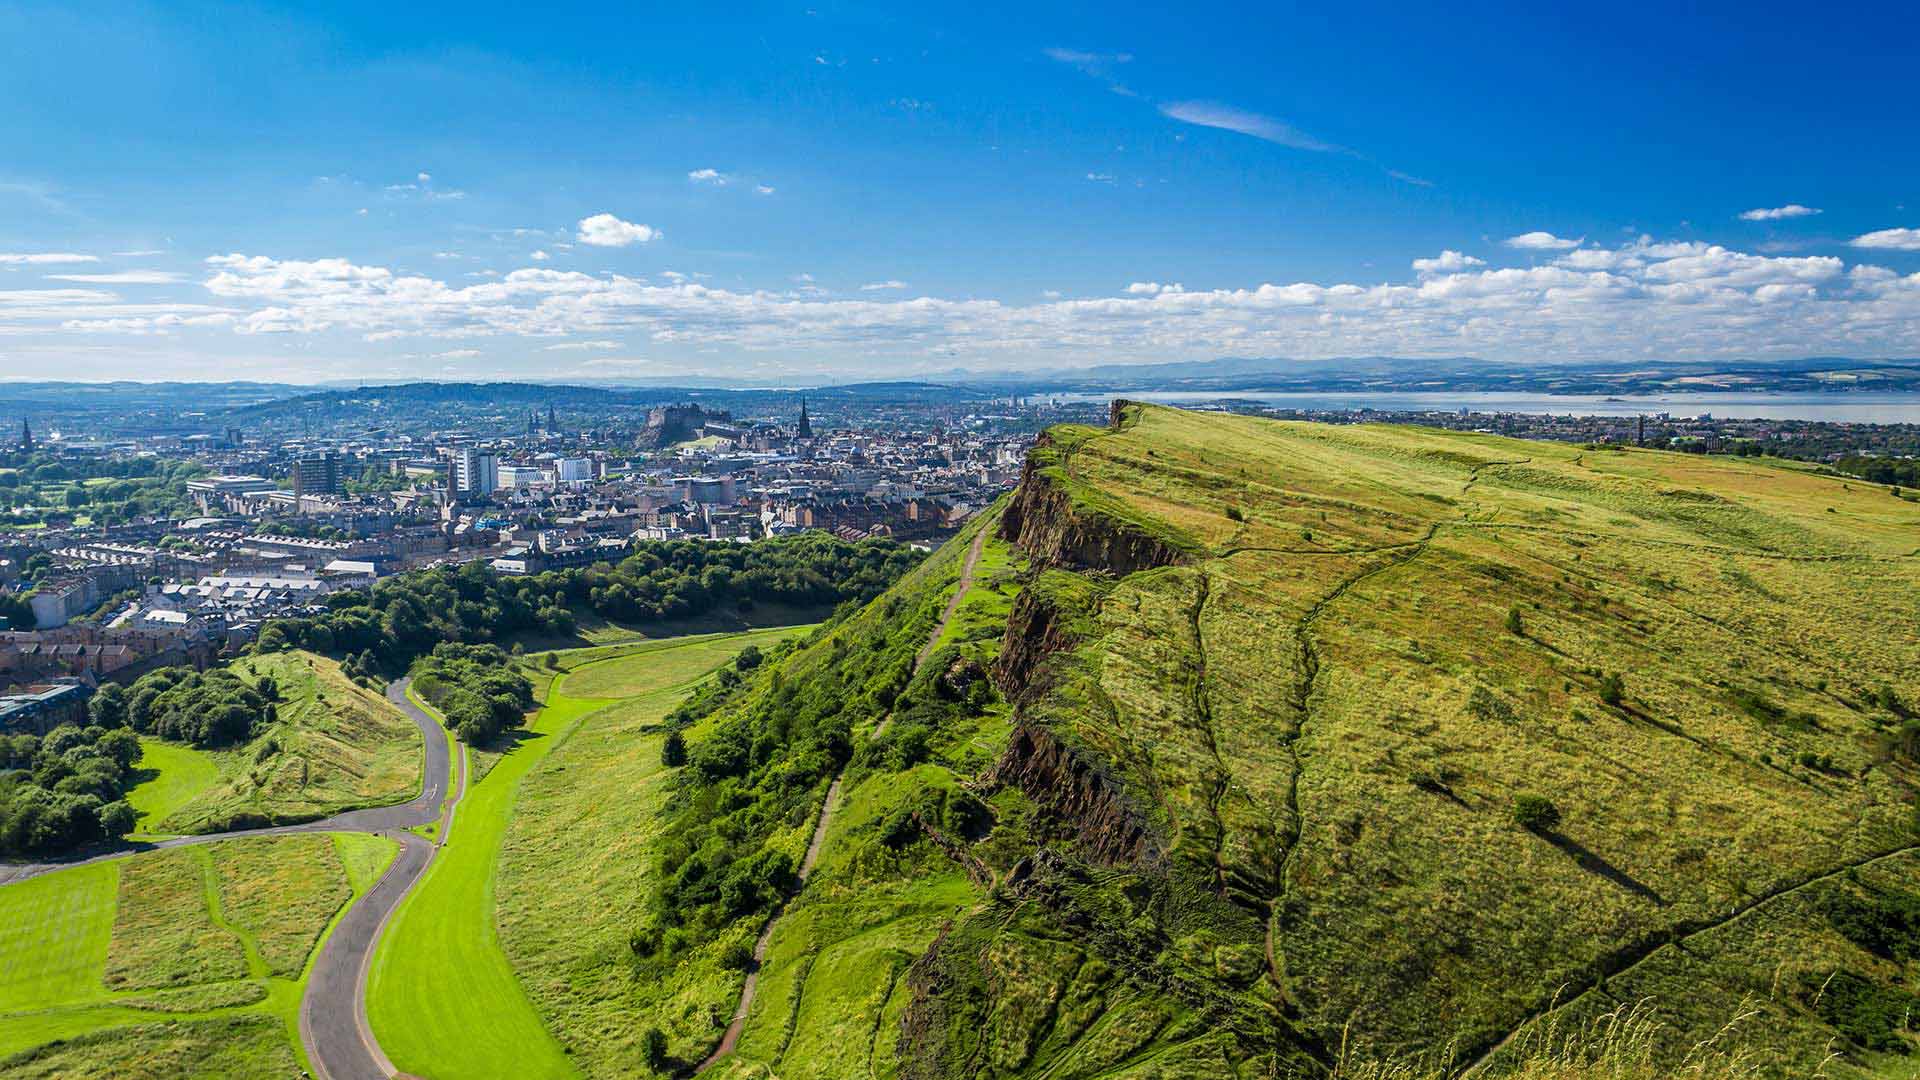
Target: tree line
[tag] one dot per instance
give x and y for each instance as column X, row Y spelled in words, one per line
column 386, row 628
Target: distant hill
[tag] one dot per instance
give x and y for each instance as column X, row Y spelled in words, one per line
column 1311, row 742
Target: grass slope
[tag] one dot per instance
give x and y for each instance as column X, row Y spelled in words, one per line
column 336, row 746
column 575, row 868
column 170, row 776
column 1376, row 638
column 173, row 962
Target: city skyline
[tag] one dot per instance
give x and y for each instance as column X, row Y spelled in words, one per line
column 360, row 193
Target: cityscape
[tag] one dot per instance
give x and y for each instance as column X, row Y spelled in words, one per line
column 588, row 541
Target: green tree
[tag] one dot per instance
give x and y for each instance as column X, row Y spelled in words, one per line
column 1535, row 813
column 673, row 752
column 653, row 1048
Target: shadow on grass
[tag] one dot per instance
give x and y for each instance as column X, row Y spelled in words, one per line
column 1592, row 863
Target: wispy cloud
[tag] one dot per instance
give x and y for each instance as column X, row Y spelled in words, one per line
column 1097, row 65
column 878, row 286
column 1246, row 122
column 583, row 346
column 710, row 176
column 1778, row 213
column 45, row 258
column 121, row 277
column 1100, row 177
column 605, row 230
column 1889, row 240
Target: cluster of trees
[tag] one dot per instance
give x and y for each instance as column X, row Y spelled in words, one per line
column 1903, row 472
column 66, row 789
column 205, row 708
column 401, row 619
column 476, row 688
column 41, row 488
column 780, row 736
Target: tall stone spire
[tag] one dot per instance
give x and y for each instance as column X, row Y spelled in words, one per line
column 26, row 437
column 805, row 430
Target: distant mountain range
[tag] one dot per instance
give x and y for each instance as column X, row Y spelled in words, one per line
column 1376, row 374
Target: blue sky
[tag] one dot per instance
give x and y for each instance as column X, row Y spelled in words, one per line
column 586, row 191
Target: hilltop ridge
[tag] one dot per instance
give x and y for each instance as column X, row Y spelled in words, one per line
column 1309, row 744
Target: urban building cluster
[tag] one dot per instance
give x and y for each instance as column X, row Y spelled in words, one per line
column 276, row 525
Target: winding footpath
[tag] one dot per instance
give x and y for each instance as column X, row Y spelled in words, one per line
column 739, row 1023
column 333, row 1012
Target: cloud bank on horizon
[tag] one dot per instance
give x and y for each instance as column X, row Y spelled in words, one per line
column 1564, row 299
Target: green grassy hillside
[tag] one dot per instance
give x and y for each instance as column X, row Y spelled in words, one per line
column 335, row 746
column 1375, row 750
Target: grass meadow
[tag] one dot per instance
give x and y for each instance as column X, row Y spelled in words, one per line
column 444, row 998
column 1380, row 636
column 185, row 961
column 336, row 746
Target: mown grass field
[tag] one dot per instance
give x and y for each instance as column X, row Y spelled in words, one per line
column 336, row 746
column 186, row 961
column 1374, row 640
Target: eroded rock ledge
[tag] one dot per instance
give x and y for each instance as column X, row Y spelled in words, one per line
column 1110, row 830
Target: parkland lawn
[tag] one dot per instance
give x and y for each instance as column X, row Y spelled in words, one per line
column 186, row 961
column 444, row 998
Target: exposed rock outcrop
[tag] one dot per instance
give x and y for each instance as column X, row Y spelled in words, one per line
column 1110, row 829
column 1043, row 521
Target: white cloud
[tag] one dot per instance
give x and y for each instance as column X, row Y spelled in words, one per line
column 881, row 286
column 1791, row 210
column 710, row 176
column 46, row 258
column 539, row 256
column 605, row 230
column 763, row 189
column 448, row 255
column 1541, row 241
column 1642, row 298
column 1100, row 178
column 121, row 277
column 1446, row 262
column 583, row 346
column 1227, row 118
column 424, row 178
column 137, row 254
column 457, row 354
column 1889, row 240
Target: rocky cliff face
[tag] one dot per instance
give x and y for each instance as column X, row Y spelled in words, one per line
column 1044, row 522
column 1110, row 829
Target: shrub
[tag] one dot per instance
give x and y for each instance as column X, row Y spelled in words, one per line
column 653, row 1048
column 673, row 752
column 1613, row 689
column 1513, row 622
column 1535, row 813
column 736, row 957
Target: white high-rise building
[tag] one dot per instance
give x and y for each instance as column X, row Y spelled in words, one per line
column 475, row 473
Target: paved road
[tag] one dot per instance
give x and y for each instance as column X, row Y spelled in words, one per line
column 333, row 1015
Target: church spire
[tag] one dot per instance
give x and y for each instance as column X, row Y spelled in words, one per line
column 26, row 437
column 805, row 430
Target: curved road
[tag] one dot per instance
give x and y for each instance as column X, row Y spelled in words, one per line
column 333, row 1014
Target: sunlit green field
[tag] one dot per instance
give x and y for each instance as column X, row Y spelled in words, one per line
column 576, row 867
column 444, row 998
column 173, row 960
column 337, row 746
column 172, row 775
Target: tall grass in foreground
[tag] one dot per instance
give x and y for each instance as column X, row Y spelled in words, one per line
column 1625, row 1044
